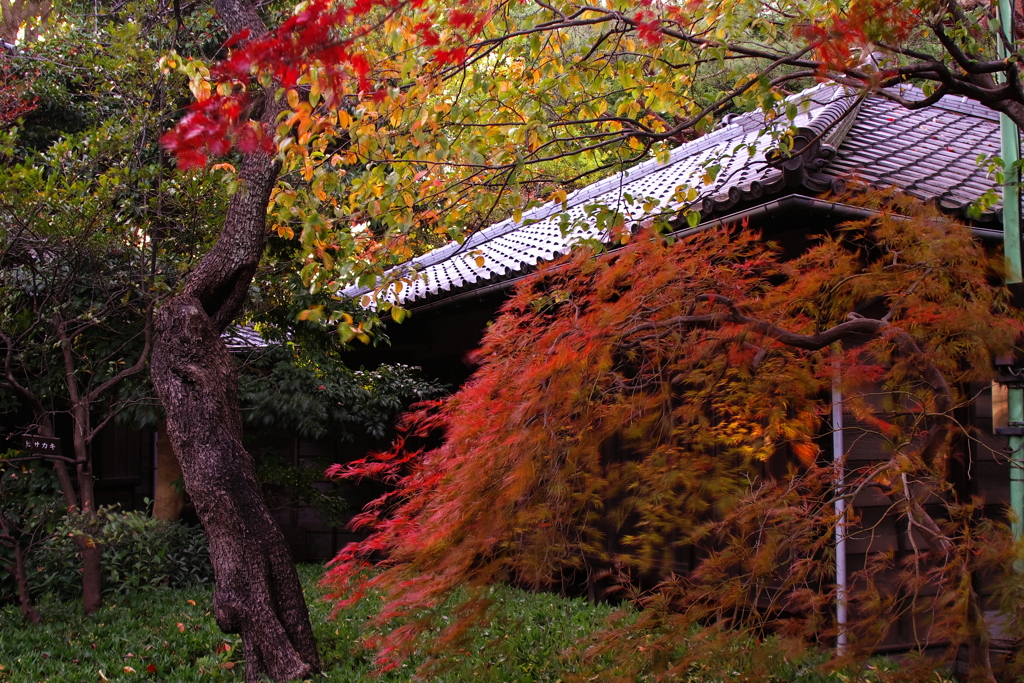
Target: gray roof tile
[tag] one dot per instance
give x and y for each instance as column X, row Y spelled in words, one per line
column 929, row 153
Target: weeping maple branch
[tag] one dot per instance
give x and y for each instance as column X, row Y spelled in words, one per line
column 933, row 447
column 855, row 326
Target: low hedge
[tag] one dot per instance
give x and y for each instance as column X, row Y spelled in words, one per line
column 138, row 551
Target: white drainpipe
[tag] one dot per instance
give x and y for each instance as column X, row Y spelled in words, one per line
column 838, row 456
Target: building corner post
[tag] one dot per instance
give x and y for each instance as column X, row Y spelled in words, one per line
column 1010, row 152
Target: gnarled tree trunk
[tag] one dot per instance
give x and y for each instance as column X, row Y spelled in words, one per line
column 258, row 593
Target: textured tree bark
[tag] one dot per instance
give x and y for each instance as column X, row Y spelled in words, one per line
column 258, row 593
column 14, row 13
column 92, row 554
column 92, row 574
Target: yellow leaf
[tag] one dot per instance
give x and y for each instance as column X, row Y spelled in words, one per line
column 200, row 88
column 558, row 196
column 479, row 260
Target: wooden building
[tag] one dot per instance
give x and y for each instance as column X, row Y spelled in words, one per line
column 931, row 154
column 134, row 466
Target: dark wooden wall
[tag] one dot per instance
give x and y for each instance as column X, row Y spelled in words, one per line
column 123, row 466
column 310, row 535
column 978, row 469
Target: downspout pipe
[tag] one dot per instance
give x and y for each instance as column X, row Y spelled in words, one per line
column 839, row 460
column 1010, row 152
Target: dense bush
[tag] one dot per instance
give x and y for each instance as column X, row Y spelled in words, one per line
column 30, row 508
column 138, row 551
column 314, row 394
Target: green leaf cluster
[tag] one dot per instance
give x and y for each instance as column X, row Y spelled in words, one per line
column 30, row 509
column 139, row 551
column 285, row 387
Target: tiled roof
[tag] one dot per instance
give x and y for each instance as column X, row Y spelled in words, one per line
column 930, row 153
column 239, row 338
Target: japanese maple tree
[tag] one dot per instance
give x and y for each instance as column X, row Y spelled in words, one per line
column 649, row 420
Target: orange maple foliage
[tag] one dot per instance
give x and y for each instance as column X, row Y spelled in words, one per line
column 650, row 422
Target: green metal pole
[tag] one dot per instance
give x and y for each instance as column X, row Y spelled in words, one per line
column 1010, row 142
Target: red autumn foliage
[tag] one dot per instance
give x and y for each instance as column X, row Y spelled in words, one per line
column 649, row 421
column 843, row 36
column 648, row 27
column 316, row 35
column 15, row 101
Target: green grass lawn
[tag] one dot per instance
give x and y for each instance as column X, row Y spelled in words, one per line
column 169, row 635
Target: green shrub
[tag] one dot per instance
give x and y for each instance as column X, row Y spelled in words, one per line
column 30, row 508
column 138, row 551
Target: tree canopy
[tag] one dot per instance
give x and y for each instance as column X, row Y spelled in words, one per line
column 95, row 230
column 425, row 120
